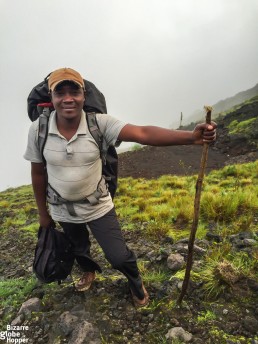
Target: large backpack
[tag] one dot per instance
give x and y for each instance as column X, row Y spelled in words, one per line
column 39, row 103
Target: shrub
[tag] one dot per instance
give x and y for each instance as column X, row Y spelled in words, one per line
column 244, row 127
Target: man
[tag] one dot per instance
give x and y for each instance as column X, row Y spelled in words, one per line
column 74, row 169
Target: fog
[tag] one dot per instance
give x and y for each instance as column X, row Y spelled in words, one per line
column 152, row 59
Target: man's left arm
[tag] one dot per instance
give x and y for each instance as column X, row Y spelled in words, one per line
column 157, row 136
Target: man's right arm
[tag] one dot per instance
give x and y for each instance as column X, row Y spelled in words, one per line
column 39, row 184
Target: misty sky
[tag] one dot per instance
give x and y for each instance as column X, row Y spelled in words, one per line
column 152, row 59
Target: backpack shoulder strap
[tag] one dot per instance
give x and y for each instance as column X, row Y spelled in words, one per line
column 43, row 130
column 96, row 134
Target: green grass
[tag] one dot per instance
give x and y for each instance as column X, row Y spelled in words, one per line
column 222, row 268
column 164, row 205
column 247, row 128
column 229, row 196
column 205, row 317
column 224, row 338
column 13, row 292
column 243, row 127
column 152, row 276
column 229, row 201
column 136, row 147
column 164, row 208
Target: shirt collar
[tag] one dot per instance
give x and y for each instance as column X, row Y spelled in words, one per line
column 82, row 129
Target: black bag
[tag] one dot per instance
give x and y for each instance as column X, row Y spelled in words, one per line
column 95, row 102
column 53, row 259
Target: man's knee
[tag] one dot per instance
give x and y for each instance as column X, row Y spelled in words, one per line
column 117, row 262
column 123, row 261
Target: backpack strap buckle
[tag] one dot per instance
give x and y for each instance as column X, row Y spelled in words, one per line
column 102, row 191
column 54, row 198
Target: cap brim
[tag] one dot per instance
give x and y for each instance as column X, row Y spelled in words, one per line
column 53, row 87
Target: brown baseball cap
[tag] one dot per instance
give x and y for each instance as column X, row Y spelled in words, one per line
column 64, row 74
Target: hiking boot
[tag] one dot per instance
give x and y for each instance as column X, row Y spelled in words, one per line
column 141, row 303
column 85, row 281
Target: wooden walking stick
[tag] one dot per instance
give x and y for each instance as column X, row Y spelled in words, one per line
column 208, row 110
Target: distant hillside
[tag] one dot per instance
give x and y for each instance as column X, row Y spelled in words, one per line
column 237, row 130
column 240, row 97
column 224, row 105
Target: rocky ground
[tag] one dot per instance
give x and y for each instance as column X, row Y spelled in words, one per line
column 105, row 314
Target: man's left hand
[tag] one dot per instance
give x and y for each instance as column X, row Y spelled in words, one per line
column 204, row 133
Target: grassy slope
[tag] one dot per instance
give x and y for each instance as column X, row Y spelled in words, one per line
column 229, row 205
column 242, row 120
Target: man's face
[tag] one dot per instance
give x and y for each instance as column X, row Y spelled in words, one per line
column 68, row 100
